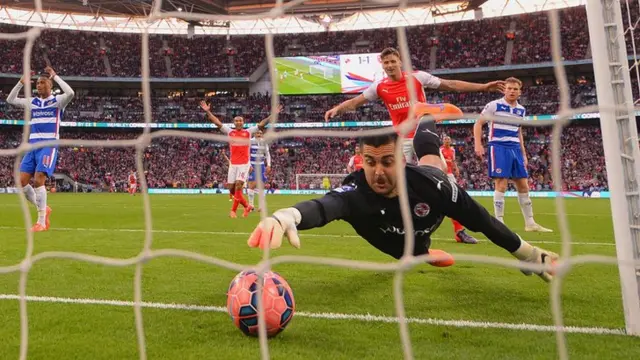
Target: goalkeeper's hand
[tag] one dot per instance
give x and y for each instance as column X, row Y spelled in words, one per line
column 533, row 254
column 270, row 230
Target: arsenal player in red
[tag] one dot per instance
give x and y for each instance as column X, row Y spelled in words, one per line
column 239, row 162
column 393, row 91
column 449, row 156
column 355, row 162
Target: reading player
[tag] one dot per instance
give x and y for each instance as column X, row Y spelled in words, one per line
column 507, row 154
column 260, row 156
column 239, row 139
column 449, row 156
column 46, row 112
column 368, row 201
column 393, row 91
column 355, row 162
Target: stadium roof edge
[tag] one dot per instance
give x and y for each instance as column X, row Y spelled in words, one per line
column 260, row 24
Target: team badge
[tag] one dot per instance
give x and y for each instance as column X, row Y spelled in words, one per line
column 421, row 209
column 498, row 171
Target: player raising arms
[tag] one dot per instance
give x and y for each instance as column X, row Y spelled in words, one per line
column 393, row 91
column 260, row 156
column 507, row 154
column 239, row 162
column 355, row 162
column 449, row 156
column 368, row 201
column 46, row 112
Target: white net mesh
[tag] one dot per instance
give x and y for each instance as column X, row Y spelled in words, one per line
column 147, row 253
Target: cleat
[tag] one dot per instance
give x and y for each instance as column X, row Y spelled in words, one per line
column 233, row 215
column 537, row 228
column 247, row 210
column 47, row 223
column 38, row 228
column 463, row 237
column 444, row 258
column 258, row 209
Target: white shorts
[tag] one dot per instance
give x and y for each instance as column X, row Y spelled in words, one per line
column 238, row 173
column 133, row 186
column 407, row 150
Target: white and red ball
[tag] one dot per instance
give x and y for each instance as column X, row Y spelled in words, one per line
column 277, row 299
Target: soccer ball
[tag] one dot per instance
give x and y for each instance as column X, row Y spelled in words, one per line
column 277, row 299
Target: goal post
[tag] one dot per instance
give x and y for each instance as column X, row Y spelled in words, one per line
column 620, row 142
column 319, row 69
column 316, row 180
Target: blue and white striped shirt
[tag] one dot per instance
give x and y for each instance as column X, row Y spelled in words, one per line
column 259, row 152
column 502, row 133
column 46, row 113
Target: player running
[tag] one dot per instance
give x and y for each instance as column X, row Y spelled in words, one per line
column 507, row 154
column 355, row 162
column 259, row 155
column 239, row 163
column 133, row 183
column 449, row 156
column 46, row 113
column 368, row 201
column 393, row 91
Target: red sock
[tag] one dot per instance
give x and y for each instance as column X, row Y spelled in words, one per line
column 457, row 226
column 234, row 207
column 239, row 198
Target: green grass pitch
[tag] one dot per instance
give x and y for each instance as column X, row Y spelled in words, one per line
column 112, row 225
column 309, row 84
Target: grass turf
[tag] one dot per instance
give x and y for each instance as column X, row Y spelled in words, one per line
column 111, row 225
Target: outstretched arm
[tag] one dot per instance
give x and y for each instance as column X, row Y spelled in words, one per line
column 266, row 120
column 302, row 216
column 345, row 106
column 13, row 99
column 207, row 109
column 464, row 86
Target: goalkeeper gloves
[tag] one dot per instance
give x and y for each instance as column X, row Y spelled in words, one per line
column 533, row 254
column 270, row 230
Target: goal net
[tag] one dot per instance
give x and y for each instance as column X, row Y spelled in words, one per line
column 325, row 72
column 612, row 38
column 318, row 181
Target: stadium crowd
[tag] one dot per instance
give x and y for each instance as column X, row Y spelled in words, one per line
column 484, row 44
column 189, row 163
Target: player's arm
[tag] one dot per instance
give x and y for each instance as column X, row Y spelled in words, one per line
column 489, row 110
column 523, row 148
column 261, row 125
column 68, row 92
column 214, row 119
column 13, row 99
column 458, row 205
column 454, row 165
column 267, row 157
column 302, row 216
column 345, row 106
column 464, row 86
column 350, row 167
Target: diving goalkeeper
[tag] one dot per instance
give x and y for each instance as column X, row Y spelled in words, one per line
column 368, row 201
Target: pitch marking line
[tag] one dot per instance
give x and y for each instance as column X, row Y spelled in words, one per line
column 197, row 232
column 333, row 316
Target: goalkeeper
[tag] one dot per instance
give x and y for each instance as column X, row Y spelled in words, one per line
column 368, row 201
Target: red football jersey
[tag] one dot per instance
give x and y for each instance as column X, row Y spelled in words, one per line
column 239, row 151
column 395, row 94
column 449, row 155
column 356, row 162
column 132, row 179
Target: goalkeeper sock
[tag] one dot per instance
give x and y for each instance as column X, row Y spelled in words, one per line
column 41, row 204
column 498, row 205
column 30, row 194
column 526, row 207
column 251, row 194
